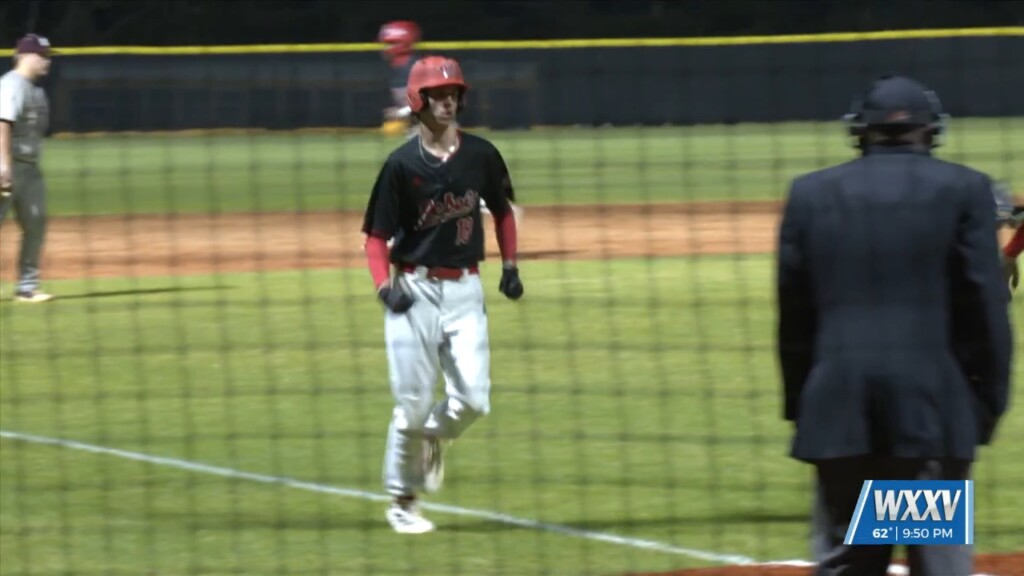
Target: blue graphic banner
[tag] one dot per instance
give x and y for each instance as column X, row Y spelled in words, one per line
column 913, row 512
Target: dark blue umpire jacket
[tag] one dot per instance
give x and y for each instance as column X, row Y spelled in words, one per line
column 894, row 336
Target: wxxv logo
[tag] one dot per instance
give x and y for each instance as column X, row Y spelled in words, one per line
column 913, row 512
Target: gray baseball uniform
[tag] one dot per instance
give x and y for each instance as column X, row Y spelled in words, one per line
column 26, row 107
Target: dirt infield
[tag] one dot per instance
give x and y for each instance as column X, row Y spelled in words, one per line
column 988, row 565
column 186, row 244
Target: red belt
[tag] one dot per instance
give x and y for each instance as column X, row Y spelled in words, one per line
column 441, row 272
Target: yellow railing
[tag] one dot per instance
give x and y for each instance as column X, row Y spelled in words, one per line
column 540, row 44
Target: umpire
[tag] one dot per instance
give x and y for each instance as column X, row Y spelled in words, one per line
column 894, row 337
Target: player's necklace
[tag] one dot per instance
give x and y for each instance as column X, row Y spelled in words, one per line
column 441, row 160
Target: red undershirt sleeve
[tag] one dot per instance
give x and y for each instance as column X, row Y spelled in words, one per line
column 1015, row 246
column 505, row 230
column 377, row 259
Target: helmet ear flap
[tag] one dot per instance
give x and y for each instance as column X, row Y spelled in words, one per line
column 415, row 98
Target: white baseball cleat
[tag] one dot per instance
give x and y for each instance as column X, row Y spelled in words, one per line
column 405, row 518
column 33, row 296
column 433, row 464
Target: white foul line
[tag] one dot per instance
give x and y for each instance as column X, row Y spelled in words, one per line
column 653, row 545
column 364, row 495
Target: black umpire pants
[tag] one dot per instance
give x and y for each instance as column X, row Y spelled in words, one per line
column 839, row 484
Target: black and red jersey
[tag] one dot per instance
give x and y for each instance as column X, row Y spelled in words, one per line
column 431, row 206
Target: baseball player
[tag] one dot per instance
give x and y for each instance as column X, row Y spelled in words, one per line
column 1007, row 214
column 1014, row 247
column 427, row 198
column 24, row 119
column 400, row 38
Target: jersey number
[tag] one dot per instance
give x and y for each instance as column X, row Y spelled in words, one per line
column 465, row 230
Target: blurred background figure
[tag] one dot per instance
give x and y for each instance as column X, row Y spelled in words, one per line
column 24, row 121
column 400, row 38
column 1011, row 215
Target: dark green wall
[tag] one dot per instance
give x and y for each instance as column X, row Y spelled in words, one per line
column 519, row 88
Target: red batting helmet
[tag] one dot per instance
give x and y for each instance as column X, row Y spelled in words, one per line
column 400, row 36
column 433, row 72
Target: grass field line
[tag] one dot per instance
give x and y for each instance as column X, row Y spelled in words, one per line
column 498, row 517
column 605, row 537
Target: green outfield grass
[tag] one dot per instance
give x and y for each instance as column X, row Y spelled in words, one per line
column 291, row 171
column 637, row 398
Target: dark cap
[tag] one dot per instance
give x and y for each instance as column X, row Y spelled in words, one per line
column 33, row 44
column 898, row 100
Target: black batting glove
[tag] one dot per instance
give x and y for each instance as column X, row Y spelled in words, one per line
column 511, row 286
column 397, row 301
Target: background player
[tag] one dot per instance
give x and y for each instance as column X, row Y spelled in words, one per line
column 1012, row 216
column 427, row 197
column 1012, row 250
column 400, row 38
column 1014, row 247
column 24, row 119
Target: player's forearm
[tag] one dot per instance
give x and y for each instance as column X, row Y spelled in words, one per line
column 377, row 259
column 6, row 154
column 1016, row 244
column 507, row 235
